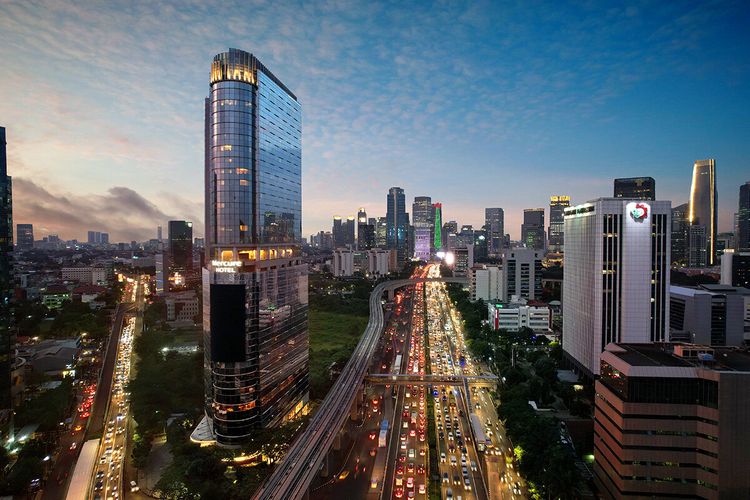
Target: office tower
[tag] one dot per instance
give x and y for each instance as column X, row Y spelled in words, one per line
column 709, row 315
column 450, row 234
column 339, row 239
column 680, row 234
column 697, row 248
column 25, row 236
column 7, row 337
column 180, row 245
column 494, row 224
column 522, row 273
column 532, row 229
column 557, row 206
column 703, row 204
column 365, row 231
column 636, row 188
column 381, row 233
column 671, row 421
column 437, row 240
column 397, row 231
column 255, row 283
column 743, row 219
column 424, row 227
column 158, row 233
column 349, row 229
column 616, row 276
column 735, row 269
column 465, row 236
column 104, row 238
column 199, row 243
column 480, row 244
column 161, row 264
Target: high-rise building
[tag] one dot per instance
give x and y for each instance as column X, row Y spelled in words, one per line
column 424, row 227
column 158, row 233
column 486, row 283
column 450, row 234
column 480, row 244
column 680, row 229
column 494, row 224
column 697, row 248
column 743, row 219
column 437, row 239
column 255, row 282
column 636, row 188
column 180, row 245
column 381, row 233
column 365, row 231
column 671, row 421
column 532, row 229
column 616, row 283
column 397, row 231
column 348, row 229
column 710, row 315
column 703, row 204
column 339, row 239
column 25, row 236
column 557, row 206
column 7, row 337
column 735, row 269
column 522, row 273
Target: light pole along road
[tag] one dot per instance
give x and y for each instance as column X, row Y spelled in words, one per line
column 293, row 475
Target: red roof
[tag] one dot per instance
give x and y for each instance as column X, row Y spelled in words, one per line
column 89, row 290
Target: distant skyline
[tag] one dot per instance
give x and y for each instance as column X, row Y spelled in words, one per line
column 476, row 104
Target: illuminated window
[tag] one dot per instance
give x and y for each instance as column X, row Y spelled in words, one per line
column 264, row 255
column 227, row 255
column 244, row 182
column 243, row 227
column 242, row 171
column 226, row 147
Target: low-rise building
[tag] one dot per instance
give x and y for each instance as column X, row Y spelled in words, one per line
column 379, row 262
column 87, row 274
column 182, row 308
column 51, row 357
column 512, row 316
column 55, row 295
column 88, row 293
column 672, row 420
column 343, row 263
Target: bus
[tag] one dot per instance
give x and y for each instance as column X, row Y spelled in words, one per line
column 481, row 439
column 397, row 365
column 383, row 433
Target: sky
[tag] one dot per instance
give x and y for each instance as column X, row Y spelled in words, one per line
column 476, row 104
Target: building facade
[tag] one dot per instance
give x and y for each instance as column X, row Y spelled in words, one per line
column 24, row 236
column 680, row 233
column 381, row 232
column 487, row 283
column 7, row 337
column 707, row 316
column 494, row 224
column 557, row 206
column 255, row 283
column 616, row 276
column 181, row 245
column 743, row 219
column 511, row 317
column 437, row 240
column 397, row 223
column 703, row 210
column 85, row 274
column 365, row 231
column 522, row 273
column 735, row 269
column 671, row 421
column 532, row 229
column 423, row 219
column 343, row 262
column 636, row 188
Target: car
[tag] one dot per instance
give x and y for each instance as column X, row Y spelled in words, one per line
column 410, row 467
column 133, row 486
column 473, row 465
column 442, row 456
column 99, row 485
column 410, row 482
column 398, row 493
column 445, row 477
column 411, row 453
column 422, row 452
column 456, row 479
column 467, row 484
column 373, row 452
column 453, row 460
column 373, row 434
column 399, row 470
column 344, row 474
column 374, row 484
column 449, row 494
column 73, row 446
column 517, row 488
column 403, row 445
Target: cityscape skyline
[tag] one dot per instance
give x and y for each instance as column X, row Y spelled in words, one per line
column 98, row 137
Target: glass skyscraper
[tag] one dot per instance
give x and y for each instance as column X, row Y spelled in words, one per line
column 638, row 188
column 7, row 338
column 255, row 283
column 557, row 206
column 424, row 224
column 703, row 205
column 397, row 223
column 494, row 224
column 181, row 245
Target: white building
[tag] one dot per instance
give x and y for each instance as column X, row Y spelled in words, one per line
column 378, row 262
column 512, row 317
column 522, row 273
column 343, row 262
column 616, row 276
column 182, row 308
column 91, row 275
column 487, row 283
column 463, row 259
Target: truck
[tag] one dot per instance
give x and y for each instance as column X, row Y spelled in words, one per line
column 383, row 433
column 481, row 439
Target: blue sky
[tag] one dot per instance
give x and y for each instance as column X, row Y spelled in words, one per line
column 476, row 104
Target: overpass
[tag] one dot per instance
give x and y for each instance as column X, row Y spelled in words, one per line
column 292, row 477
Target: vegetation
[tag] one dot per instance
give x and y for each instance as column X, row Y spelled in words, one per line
column 29, row 466
column 48, row 408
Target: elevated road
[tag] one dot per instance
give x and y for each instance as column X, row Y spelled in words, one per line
column 292, row 477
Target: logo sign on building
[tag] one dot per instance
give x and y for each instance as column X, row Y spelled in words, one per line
column 639, row 211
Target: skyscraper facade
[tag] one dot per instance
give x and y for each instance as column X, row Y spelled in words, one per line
column 365, row 231
column 557, row 206
column 743, row 219
column 349, row 229
column 7, row 337
column 437, row 240
column 494, row 224
column 180, row 245
column 25, row 236
column 522, row 273
column 255, row 283
column 680, row 234
column 424, row 226
column 381, row 232
column 532, row 229
column 636, row 188
column 397, row 223
column 703, row 205
column 338, row 232
column 616, row 283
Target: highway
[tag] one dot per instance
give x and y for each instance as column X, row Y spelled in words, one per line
column 292, row 477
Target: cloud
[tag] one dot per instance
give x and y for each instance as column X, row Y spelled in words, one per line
column 122, row 212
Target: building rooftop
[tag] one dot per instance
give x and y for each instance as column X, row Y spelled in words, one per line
column 695, row 356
